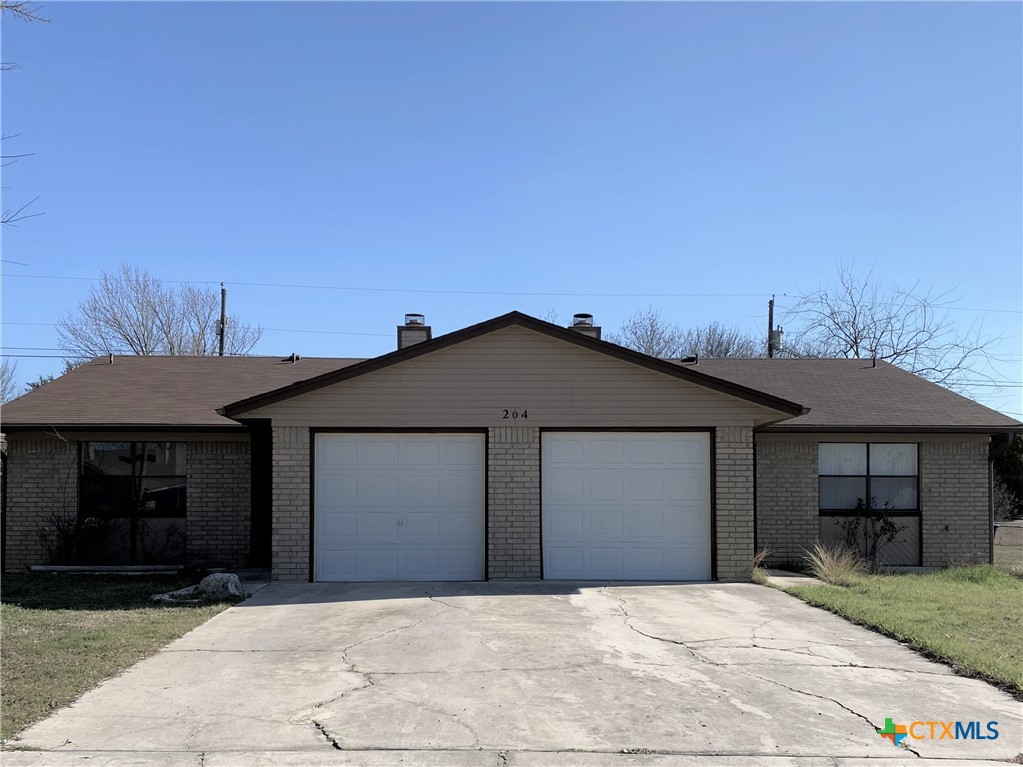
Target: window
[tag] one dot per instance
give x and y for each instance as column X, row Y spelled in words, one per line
column 132, row 500
column 878, row 476
column 868, row 497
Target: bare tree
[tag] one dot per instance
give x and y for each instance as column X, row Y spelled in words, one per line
column 8, row 382
column 19, row 11
column 861, row 318
column 648, row 332
column 132, row 312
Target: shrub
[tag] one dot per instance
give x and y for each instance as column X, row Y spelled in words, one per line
column 759, row 572
column 838, row 565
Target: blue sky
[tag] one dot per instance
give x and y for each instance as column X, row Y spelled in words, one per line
column 465, row 159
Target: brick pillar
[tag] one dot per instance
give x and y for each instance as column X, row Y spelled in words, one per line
column 733, row 488
column 42, row 484
column 290, row 517
column 954, row 503
column 219, row 490
column 513, row 502
column 788, row 520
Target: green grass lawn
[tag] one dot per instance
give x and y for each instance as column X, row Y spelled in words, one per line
column 63, row 634
column 968, row 617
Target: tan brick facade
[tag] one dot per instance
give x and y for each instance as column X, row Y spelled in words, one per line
column 953, row 495
column 513, row 502
column 41, row 483
column 733, row 488
column 291, row 523
column 954, row 500
column 218, row 522
column 787, row 514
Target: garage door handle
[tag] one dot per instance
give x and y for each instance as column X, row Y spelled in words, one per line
column 400, row 523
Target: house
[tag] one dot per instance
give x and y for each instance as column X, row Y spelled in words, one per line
column 510, row 449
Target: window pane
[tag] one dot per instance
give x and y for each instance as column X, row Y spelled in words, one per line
column 161, row 458
column 892, row 459
column 893, row 493
column 102, row 494
column 842, row 458
column 106, row 458
column 162, row 496
column 842, row 492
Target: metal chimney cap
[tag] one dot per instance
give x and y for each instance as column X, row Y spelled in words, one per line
column 582, row 319
column 415, row 319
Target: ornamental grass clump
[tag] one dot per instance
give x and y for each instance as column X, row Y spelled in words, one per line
column 837, row 565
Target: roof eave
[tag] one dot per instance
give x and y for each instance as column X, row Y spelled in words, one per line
column 904, row 429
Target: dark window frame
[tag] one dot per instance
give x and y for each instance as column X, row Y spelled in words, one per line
column 868, row 510
column 132, row 506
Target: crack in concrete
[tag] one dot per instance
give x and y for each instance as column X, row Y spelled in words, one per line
column 329, row 738
column 627, row 618
column 570, row 667
column 841, row 705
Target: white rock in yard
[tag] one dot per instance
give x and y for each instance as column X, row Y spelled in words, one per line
column 216, row 587
column 221, row 586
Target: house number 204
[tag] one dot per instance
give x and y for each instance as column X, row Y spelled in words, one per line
column 514, row 415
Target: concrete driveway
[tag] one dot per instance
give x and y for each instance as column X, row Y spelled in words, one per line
column 534, row 673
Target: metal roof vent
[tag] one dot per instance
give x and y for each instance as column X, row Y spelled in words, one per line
column 414, row 331
column 583, row 323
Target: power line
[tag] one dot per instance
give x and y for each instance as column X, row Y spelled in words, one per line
column 421, row 290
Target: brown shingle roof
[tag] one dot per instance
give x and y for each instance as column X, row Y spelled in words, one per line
column 187, row 391
column 159, row 391
column 854, row 394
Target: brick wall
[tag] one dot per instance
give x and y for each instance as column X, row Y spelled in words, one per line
column 733, row 456
column 787, row 498
column 42, row 481
column 953, row 497
column 290, row 518
column 513, row 499
column 954, row 500
column 217, row 525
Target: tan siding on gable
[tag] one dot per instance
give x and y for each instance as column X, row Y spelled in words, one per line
column 556, row 383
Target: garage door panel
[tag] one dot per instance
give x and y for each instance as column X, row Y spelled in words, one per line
column 605, row 524
column 609, row 561
column 419, row 490
column 604, row 451
column 377, row 526
column 337, row 526
column 564, row 524
column 462, row 454
column 563, row 561
column 422, row 453
column 626, row 506
column 378, row 564
column 379, row 452
column 410, row 508
column 564, row 452
column 378, row 488
column 340, row 453
column 339, row 564
column 565, row 486
column 604, row 487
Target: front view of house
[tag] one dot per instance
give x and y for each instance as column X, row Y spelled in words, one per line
column 509, row 449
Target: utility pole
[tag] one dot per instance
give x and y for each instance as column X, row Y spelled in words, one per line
column 223, row 317
column 770, row 327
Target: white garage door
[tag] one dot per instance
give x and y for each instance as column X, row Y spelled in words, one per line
column 407, row 507
column 628, row 506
